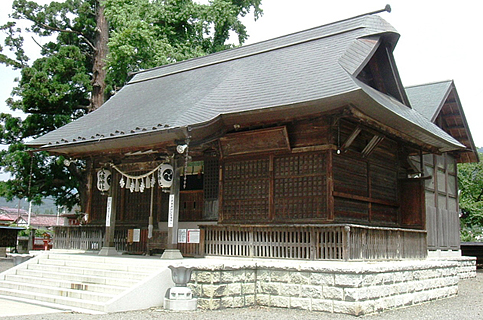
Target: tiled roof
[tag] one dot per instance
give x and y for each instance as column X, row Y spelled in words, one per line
column 312, row 66
column 427, row 99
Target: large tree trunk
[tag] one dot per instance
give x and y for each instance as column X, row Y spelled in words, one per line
column 99, row 67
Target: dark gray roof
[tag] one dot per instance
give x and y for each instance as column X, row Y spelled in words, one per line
column 318, row 64
column 428, row 98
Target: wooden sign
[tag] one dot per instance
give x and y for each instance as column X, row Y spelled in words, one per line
column 108, row 211
column 255, row 141
column 171, row 211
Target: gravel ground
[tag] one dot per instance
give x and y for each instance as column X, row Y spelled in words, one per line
column 467, row 305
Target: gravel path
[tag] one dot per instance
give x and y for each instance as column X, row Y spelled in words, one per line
column 467, row 305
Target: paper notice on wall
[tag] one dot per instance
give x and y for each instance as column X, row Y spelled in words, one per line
column 193, row 235
column 182, row 235
column 136, row 235
column 171, row 211
column 108, row 211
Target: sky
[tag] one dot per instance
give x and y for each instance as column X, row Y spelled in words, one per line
column 439, row 40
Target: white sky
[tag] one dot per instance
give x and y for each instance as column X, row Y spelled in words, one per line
column 439, row 40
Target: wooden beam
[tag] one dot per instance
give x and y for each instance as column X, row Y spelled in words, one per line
column 371, row 145
column 351, row 138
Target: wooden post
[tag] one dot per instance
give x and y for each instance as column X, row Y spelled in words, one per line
column 172, row 251
column 108, row 248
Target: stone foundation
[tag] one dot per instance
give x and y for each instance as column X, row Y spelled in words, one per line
column 354, row 288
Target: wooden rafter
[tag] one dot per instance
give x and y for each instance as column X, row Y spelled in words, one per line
column 372, row 145
column 351, row 138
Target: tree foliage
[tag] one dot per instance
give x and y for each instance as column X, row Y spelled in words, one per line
column 470, row 180
column 74, row 68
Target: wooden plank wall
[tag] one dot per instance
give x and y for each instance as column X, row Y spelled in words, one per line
column 442, row 219
column 366, row 188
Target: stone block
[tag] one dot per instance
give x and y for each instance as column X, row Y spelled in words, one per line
column 324, row 279
column 207, row 291
column 290, row 290
column 403, row 276
column 203, row 277
column 250, row 275
column 249, row 300
column 333, row 293
column 263, row 275
column 280, row 276
column 195, row 289
column 322, row 305
column 239, row 276
column 279, row 302
column 300, row 277
column 233, row 289
column 384, row 304
column 300, row 303
column 263, row 300
column 226, row 276
column 216, row 277
column 352, row 308
column 204, row 304
column 226, row 302
column 314, row 292
column 269, row 288
column 238, row 302
column 348, row 280
column 247, row 288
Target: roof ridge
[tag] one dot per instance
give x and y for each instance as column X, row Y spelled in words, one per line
column 387, row 8
column 429, row 83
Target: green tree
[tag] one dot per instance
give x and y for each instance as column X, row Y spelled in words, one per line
column 470, row 180
column 95, row 45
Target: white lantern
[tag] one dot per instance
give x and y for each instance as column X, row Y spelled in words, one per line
column 103, row 180
column 165, row 176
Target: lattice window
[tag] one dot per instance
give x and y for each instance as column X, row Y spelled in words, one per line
column 246, row 190
column 300, row 186
column 211, row 178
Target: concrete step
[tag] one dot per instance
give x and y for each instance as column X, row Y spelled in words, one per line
column 83, row 282
column 53, row 299
column 121, row 259
column 55, row 291
column 66, row 284
column 88, row 271
column 77, row 277
column 113, row 265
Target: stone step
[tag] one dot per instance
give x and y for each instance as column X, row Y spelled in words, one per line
column 66, row 284
column 113, row 265
column 77, row 277
column 55, row 291
column 88, row 271
column 122, row 259
column 53, row 299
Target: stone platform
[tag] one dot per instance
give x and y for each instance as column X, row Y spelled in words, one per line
column 355, row 288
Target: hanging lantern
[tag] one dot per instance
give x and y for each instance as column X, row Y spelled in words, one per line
column 103, row 180
column 165, row 176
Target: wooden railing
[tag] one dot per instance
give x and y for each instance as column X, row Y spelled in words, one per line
column 91, row 238
column 315, row 242
column 78, row 237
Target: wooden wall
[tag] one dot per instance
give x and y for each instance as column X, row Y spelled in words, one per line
column 442, row 202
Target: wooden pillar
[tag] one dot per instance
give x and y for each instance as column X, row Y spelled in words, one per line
column 172, row 251
column 108, row 248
